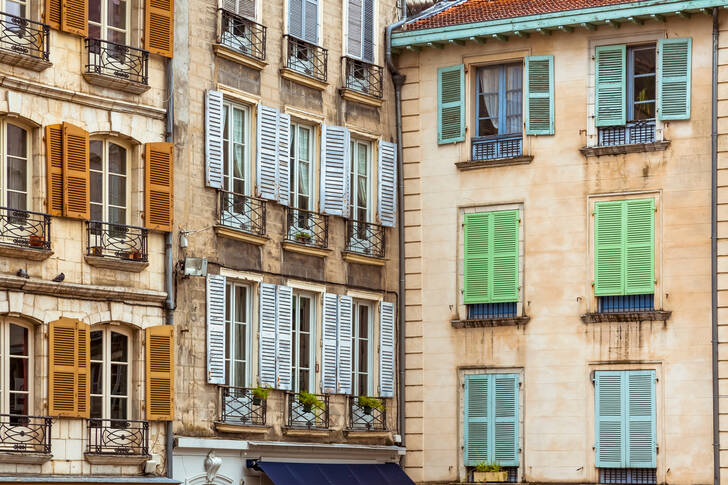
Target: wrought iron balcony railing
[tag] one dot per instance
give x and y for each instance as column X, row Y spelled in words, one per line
column 491, row 148
column 307, row 228
column 363, row 77
column 25, row 434
column 117, row 437
column 116, row 241
column 117, row 61
column 305, row 58
column 242, row 212
column 367, row 418
column 365, row 238
column 22, row 36
column 240, row 406
column 25, row 229
column 634, row 132
column 307, row 415
column 241, row 34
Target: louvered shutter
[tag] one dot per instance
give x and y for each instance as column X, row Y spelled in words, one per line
column 214, row 122
column 54, row 169
column 505, row 256
column 159, row 27
column 216, row 302
column 345, row 359
column 450, row 104
column 246, row 8
column 386, row 349
column 68, row 368
column 52, row 13
column 387, row 183
column 608, row 248
column 368, row 29
column 75, row 172
column 74, row 17
column 267, row 335
column 477, row 258
column 158, row 189
column 335, row 170
column 295, row 18
column 674, row 78
column 267, row 152
column 329, row 338
column 477, row 419
column 611, row 92
column 310, row 21
column 354, row 27
column 284, row 344
column 639, row 247
column 505, row 440
column 641, row 429
column 160, row 373
column 83, row 369
column 284, row 158
column 539, row 95
column 610, row 414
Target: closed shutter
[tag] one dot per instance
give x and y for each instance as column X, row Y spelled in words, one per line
column 505, row 442
column 608, row 249
column 477, row 419
column 386, row 349
column 354, row 48
column 159, row 27
column 214, row 121
column 387, row 183
column 540, row 95
column 345, row 359
column 52, row 13
column 310, row 21
column 267, row 152
column 216, row 306
column 368, row 29
column 609, row 419
column 83, row 369
column 158, row 188
column 284, row 314
column 335, row 170
column 611, row 92
column 641, row 439
column 477, row 258
column 246, row 8
column 75, row 172
column 54, row 169
column 639, row 248
column 673, row 78
column 74, row 17
column 160, row 373
column 284, row 158
column 68, row 368
column 267, row 333
column 505, row 256
column 450, row 104
column 329, row 351
column 295, row 18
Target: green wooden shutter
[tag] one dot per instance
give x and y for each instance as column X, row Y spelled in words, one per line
column 639, row 254
column 540, row 95
column 641, row 439
column 450, row 104
column 611, row 92
column 477, row 258
column 505, row 433
column 673, row 78
column 608, row 248
column 609, row 419
column 505, row 256
column 476, row 419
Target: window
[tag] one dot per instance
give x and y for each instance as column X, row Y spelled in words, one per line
column 15, row 381
column 108, row 20
column 14, row 160
column 361, row 347
column 498, row 112
column 360, row 181
column 302, row 332
column 301, row 168
column 237, row 350
column 236, row 156
column 14, row 7
column 110, row 374
column 303, row 20
column 109, row 185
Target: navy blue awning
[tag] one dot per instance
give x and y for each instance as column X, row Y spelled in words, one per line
column 282, row 473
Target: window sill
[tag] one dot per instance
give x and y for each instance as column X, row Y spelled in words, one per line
column 39, row 254
column 495, row 162
column 24, row 61
column 378, row 434
column 599, row 151
column 115, row 83
column 226, row 52
column 490, row 322
column 299, row 78
column 619, row 317
column 117, row 264
column 313, row 432
column 29, row 458
column 231, row 233
column 224, row 427
column 309, row 250
column 361, row 98
column 362, row 259
column 115, row 459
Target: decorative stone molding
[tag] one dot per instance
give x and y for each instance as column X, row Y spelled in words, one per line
column 231, row 55
column 117, row 264
column 620, row 317
column 361, row 259
column 361, row 98
column 656, row 146
column 490, row 322
column 299, row 78
column 212, row 464
column 496, row 162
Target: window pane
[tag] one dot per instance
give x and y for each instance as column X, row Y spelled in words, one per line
column 363, row 321
column 97, row 212
column 116, row 37
column 97, row 407
column 644, row 61
column 239, row 380
column 117, row 13
column 362, row 193
column 238, row 125
column 117, row 190
column 644, row 111
column 117, row 216
column 305, row 314
column 240, row 304
column 363, row 355
column 97, row 349
column 514, row 77
column 304, row 350
column 488, row 80
column 303, row 144
column 118, row 408
column 362, row 165
column 119, row 347
column 119, row 379
column 94, row 31
column 17, row 174
column 18, row 374
column 17, row 141
column 644, row 88
column 94, row 11
column 96, row 148
column 117, row 159
column 238, row 162
column 487, row 127
column 96, row 187
column 240, row 342
column 303, row 178
column 96, row 378
column 15, row 8
column 363, row 383
column 17, row 200
column 19, row 404
column 303, row 380
column 18, row 340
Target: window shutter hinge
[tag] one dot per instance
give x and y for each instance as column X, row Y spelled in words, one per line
column 593, row 284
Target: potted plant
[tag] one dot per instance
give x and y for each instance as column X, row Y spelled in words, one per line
column 489, row 472
column 368, row 403
column 260, row 394
column 97, row 251
column 135, row 254
column 36, row 241
column 309, row 401
column 303, row 237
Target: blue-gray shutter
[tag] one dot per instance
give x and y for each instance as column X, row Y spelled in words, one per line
column 369, row 31
column 354, row 47
column 215, row 312
column 505, row 419
column 477, row 426
column 284, row 157
column 295, row 18
column 386, row 349
column 345, row 357
column 387, row 183
column 609, row 420
column 329, row 339
column 673, row 78
column 335, row 165
column 640, row 426
column 310, row 21
column 267, row 331
column 267, row 152
column 284, row 342
column 214, row 122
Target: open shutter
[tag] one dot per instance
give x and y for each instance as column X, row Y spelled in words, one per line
column 611, row 91
column 386, row 349
column 160, row 373
column 608, row 248
column 345, row 350
column 505, row 442
column 284, row 158
column 295, row 18
column 641, row 441
column 267, row 152
column 450, row 104
column 477, row 419
column 369, row 31
column 216, row 303
column 75, row 172
column 639, row 247
column 505, row 256
column 354, row 26
column 68, row 368
column 477, row 258
column 52, row 13
column 310, row 21
column 610, row 414
column 74, row 17
column 158, row 188
column 329, row 343
column 214, row 122
column 267, row 333
column 673, row 78
column 540, row 95
column 387, row 183
column 83, row 369
column 159, row 27
column 335, row 170
column 284, row 317
column 54, row 169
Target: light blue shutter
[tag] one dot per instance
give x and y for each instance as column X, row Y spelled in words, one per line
column 295, row 18
column 450, row 104
column 610, row 415
column 641, row 440
column 505, row 438
column 216, row 301
column 611, row 91
column 673, row 78
column 539, row 95
column 369, row 31
column 329, row 343
column 214, row 122
column 335, row 170
column 310, row 21
column 284, row 157
column 354, row 27
column 386, row 349
column 267, row 331
column 477, row 419
column 284, row 342
column 267, row 152
column 345, row 350
column 387, row 183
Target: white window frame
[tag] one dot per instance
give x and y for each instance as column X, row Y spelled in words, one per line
column 5, row 364
column 295, row 339
column 231, row 326
column 106, row 368
column 104, row 24
column 229, row 107
column 295, row 189
column 355, row 322
column 105, row 177
column 354, row 189
column 4, row 163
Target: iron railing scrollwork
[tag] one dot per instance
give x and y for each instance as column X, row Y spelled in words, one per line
column 23, row 36
column 25, row 434
column 305, row 58
column 241, row 34
column 25, row 229
column 307, row 227
column 242, row 212
column 117, row 436
column 367, row 418
column 633, row 133
column 117, row 60
column 502, row 146
column 307, row 416
column 116, row 241
column 363, row 77
column 365, row 238
column 240, row 406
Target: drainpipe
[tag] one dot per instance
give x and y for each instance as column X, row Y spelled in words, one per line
column 169, row 264
column 714, row 254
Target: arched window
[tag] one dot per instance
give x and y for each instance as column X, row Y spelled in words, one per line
column 110, row 373
column 16, row 344
column 14, row 141
column 109, row 181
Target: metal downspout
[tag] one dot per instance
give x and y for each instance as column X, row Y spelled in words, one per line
column 169, row 264
column 714, row 254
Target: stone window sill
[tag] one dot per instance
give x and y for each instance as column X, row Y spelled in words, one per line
column 226, row 52
column 303, row 249
column 24, row 61
column 314, row 432
column 118, row 264
column 365, row 99
column 490, row 322
column 598, row 151
column 362, row 259
column 495, row 162
column 115, row 459
column 302, row 79
column 224, row 427
column 232, row 233
column 619, row 317
column 29, row 458
column 38, row 254
column 115, row 83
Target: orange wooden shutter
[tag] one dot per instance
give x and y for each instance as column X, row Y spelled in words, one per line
column 158, row 187
column 159, row 27
column 160, row 373
column 83, row 369
column 54, row 169
column 75, row 172
column 74, row 17
column 52, row 13
column 68, row 368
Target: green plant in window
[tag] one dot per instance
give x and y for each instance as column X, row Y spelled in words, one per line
column 484, row 467
column 309, row 401
column 260, row 394
column 368, row 403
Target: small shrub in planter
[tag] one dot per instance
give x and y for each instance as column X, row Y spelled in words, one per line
column 368, row 403
column 309, row 401
column 260, row 394
column 489, row 472
column 303, row 237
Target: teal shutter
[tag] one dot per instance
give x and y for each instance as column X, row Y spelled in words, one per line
column 611, row 92
column 505, row 256
column 540, row 95
column 450, row 104
column 476, row 419
column 609, row 419
column 505, row 437
column 641, row 440
column 640, row 247
column 673, row 78
column 477, row 258
column 608, row 249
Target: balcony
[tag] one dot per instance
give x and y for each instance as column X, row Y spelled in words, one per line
column 241, row 217
column 25, row 439
column 25, row 234
column 365, row 417
column 117, row 66
column 304, row 415
column 306, row 232
column 363, row 82
column 633, row 137
column 116, row 246
column 117, row 441
column 241, row 40
column 304, row 62
column 241, row 411
column 365, row 239
column 24, row 43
